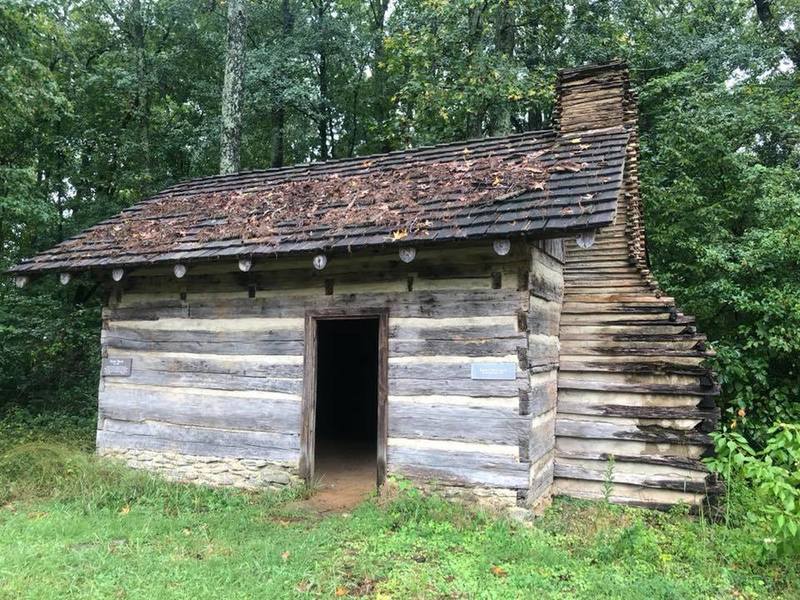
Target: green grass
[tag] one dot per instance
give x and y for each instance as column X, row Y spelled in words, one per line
column 72, row 525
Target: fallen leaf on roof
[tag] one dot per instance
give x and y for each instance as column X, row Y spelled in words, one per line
column 567, row 165
column 393, row 199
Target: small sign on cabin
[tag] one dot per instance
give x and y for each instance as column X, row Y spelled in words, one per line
column 498, row 370
column 117, row 367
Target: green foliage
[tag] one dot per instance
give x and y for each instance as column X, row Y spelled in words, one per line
column 773, row 473
column 71, row 428
column 101, row 103
column 51, row 349
column 723, row 209
column 608, row 479
column 104, row 102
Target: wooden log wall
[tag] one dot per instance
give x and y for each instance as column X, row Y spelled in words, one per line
column 632, row 385
column 217, row 359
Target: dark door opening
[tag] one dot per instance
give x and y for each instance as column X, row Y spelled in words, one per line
column 346, row 428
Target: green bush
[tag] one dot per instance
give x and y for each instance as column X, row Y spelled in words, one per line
column 75, row 429
column 723, row 217
column 50, row 340
column 774, row 474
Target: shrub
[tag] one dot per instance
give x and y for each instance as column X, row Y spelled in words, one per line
column 72, row 428
column 773, row 473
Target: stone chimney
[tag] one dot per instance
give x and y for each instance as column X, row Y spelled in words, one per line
column 594, row 97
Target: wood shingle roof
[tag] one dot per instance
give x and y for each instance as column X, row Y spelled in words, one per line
column 537, row 184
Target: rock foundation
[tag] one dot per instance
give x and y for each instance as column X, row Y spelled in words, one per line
column 246, row 473
column 499, row 500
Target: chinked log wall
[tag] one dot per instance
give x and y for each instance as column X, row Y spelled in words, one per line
column 632, row 385
column 217, row 373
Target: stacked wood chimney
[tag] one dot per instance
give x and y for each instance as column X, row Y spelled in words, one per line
column 635, row 401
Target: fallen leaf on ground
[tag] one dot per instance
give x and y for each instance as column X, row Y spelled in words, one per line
column 498, row 571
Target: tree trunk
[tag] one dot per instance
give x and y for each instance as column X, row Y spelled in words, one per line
column 322, row 48
column 381, row 106
column 277, row 143
column 142, row 102
column 233, row 90
column 322, row 123
column 504, row 41
column 277, row 147
column 475, row 14
column 788, row 40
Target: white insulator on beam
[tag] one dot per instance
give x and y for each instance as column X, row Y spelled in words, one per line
column 245, row 264
column 408, row 254
column 64, row 278
column 501, row 247
column 179, row 270
column 585, row 239
column 21, row 281
column 320, row 262
column 117, row 274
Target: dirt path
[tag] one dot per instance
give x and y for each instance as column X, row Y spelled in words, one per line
column 346, row 476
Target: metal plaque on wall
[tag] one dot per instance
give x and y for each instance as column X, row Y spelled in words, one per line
column 498, row 370
column 117, row 367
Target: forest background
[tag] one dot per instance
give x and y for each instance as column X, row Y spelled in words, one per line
column 103, row 102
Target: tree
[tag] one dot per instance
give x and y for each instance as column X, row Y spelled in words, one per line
column 233, row 90
column 380, row 98
column 103, row 102
column 279, row 112
column 781, row 28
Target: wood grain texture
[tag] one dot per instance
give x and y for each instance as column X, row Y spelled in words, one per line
column 631, row 380
column 231, row 366
column 199, row 441
column 179, row 407
column 460, row 468
column 480, row 424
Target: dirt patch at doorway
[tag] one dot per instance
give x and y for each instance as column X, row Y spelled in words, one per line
column 346, row 475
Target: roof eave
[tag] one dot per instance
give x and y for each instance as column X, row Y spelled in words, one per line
column 32, row 268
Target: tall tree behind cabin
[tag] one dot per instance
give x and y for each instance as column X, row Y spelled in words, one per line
column 233, row 89
column 279, row 112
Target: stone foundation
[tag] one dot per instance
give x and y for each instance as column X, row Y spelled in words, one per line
column 245, row 473
column 499, row 500
column 492, row 498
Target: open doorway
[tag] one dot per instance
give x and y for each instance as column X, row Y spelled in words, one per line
column 344, row 440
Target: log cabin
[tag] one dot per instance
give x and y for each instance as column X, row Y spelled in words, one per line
column 477, row 317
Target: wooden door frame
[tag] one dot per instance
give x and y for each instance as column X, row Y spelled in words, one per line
column 309, row 403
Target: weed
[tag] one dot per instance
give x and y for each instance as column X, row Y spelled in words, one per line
column 608, row 479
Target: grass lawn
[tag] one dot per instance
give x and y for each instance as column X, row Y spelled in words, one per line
column 75, row 526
